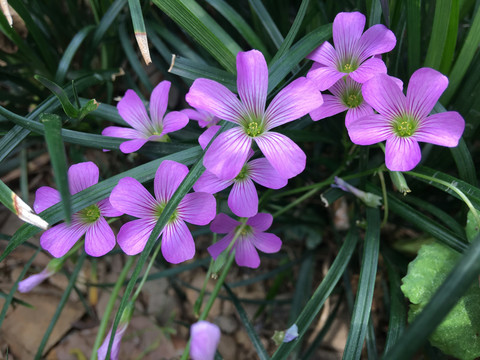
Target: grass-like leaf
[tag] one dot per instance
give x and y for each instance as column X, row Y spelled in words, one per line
column 58, row 159
column 323, row 291
column 413, row 30
column 267, row 22
column 139, row 29
column 366, row 285
column 439, row 34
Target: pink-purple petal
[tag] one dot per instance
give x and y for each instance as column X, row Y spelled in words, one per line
column 122, row 132
column 215, row 98
column 282, row 153
column 347, row 30
column 32, row 281
column 243, row 198
column 263, row 173
column 117, row 339
column 133, row 235
column 227, row 154
column 159, row 102
column 368, row 69
column 402, row 154
column 443, row 129
column 132, row 110
column 325, row 55
column 107, row 209
column 331, row 106
column 82, row 176
column 216, row 249
column 99, row 238
column 208, row 135
column 376, row 40
column 210, row 183
column 424, row 89
column 369, row 130
column 261, row 221
column 198, row 208
column 131, row 146
column 324, row 77
column 294, row 101
column 246, row 254
column 173, row 121
column 168, row 178
column 382, row 93
column 177, row 242
column 61, row 238
column 356, row 113
column 130, row 197
column 205, row 337
column 45, row 197
column 266, row 242
column 223, row 224
column 252, row 81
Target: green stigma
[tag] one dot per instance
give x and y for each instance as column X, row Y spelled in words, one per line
column 243, row 174
column 159, row 210
column 353, row 100
column 253, row 128
column 404, row 126
column 90, row 214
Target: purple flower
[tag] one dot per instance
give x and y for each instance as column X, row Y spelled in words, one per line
column 205, row 337
column 252, row 237
column 145, row 128
column 354, row 51
column 369, row 199
column 403, row 121
column 32, row 281
column 243, row 198
column 229, row 151
column 132, row 198
column 204, row 118
column 117, row 339
column 346, row 96
column 291, row 333
column 99, row 237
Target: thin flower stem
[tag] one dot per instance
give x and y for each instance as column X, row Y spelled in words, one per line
column 465, row 199
column 111, row 303
column 147, row 271
column 385, row 199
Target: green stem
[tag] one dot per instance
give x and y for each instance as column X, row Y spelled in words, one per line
column 385, row 199
column 147, row 271
column 465, row 199
column 111, row 302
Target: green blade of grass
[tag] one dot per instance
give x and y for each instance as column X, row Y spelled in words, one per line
column 460, row 279
column 464, row 59
column 192, row 70
column 240, row 25
column 366, row 285
column 439, row 34
column 58, row 159
column 292, row 33
column 451, row 40
column 323, row 291
column 97, row 193
column 61, row 305
column 413, row 31
column 203, row 29
column 267, row 22
column 279, row 69
column 139, row 29
column 62, row 96
column 70, row 52
column 375, row 13
column 252, row 334
column 107, row 20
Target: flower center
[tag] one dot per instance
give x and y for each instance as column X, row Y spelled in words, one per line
column 90, row 214
column 159, row 210
column 247, row 229
column 404, row 126
column 243, row 174
column 353, row 99
column 348, row 66
column 253, row 125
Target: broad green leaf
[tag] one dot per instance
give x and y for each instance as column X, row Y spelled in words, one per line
column 458, row 281
column 58, row 159
column 457, row 335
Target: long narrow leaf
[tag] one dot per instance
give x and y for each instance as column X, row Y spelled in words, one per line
column 366, row 285
column 267, row 22
column 315, row 304
column 413, row 31
column 139, row 29
column 439, row 34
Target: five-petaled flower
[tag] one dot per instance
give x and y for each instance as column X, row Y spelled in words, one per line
column 133, row 199
column 354, row 51
column 99, row 237
column 145, row 128
column 227, row 154
column 251, row 237
column 403, row 121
